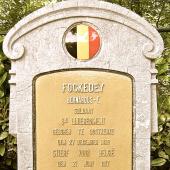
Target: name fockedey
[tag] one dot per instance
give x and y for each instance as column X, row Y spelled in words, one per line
column 82, row 88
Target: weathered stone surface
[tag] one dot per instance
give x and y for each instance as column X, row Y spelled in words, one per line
column 129, row 45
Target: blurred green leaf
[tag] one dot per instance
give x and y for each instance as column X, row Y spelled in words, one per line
column 4, row 126
column 162, row 118
column 1, row 39
column 160, row 128
column 167, row 117
column 2, row 69
column 14, row 165
column 1, row 93
column 167, row 150
column 3, row 135
column 2, row 150
column 14, row 141
column 3, row 78
column 8, row 162
column 163, row 154
column 163, row 68
column 161, row 60
column 158, row 162
column 168, row 141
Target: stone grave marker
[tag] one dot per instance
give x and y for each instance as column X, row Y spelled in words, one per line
column 83, row 87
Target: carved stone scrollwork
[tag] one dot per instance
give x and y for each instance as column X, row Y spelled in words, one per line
column 14, row 52
column 18, row 51
column 152, row 50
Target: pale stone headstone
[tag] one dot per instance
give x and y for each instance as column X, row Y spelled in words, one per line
column 83, row 87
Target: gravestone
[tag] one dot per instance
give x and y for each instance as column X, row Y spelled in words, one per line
column 83, row 87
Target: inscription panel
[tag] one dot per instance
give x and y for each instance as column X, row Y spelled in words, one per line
column 83, row 120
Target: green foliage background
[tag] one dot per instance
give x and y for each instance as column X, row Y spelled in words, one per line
column 157, row 12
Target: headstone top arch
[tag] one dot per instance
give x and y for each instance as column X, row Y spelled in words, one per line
column 54, row 12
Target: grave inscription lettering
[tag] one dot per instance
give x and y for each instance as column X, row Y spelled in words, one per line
column 85, row 118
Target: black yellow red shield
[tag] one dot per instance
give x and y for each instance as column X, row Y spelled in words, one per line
column 83, row 42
